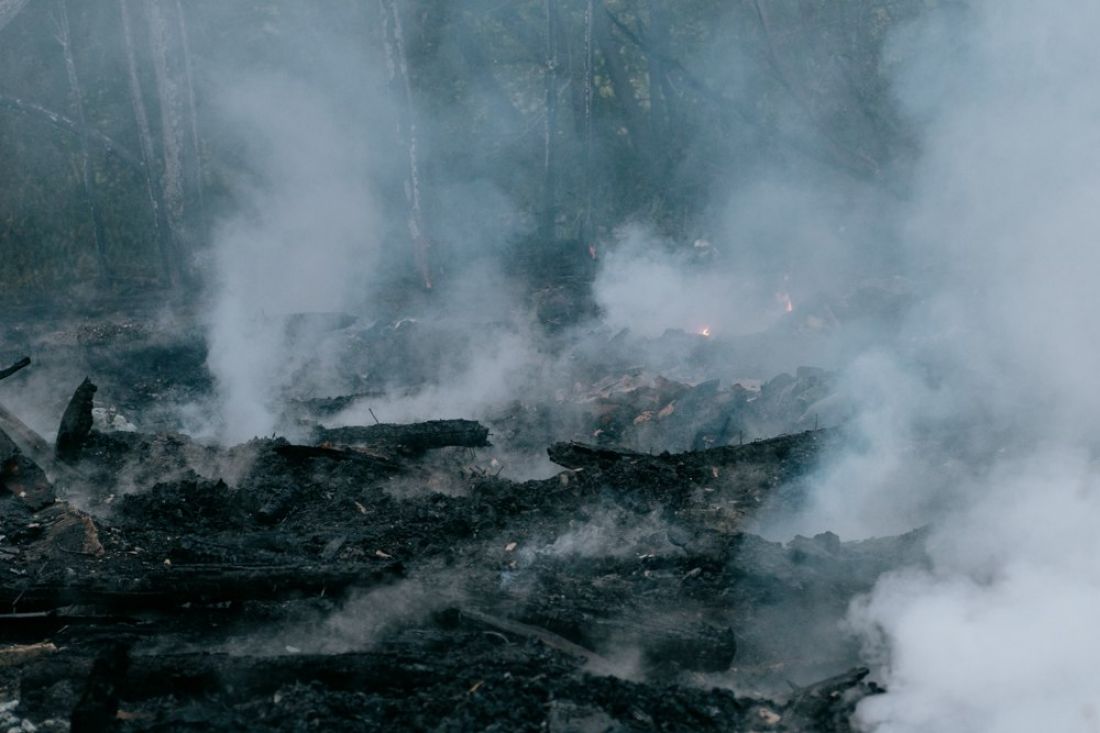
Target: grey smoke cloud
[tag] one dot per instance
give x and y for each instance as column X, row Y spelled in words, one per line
column 1000, row 235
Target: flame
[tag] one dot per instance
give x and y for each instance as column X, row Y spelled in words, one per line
column 704, row 332
column 785, row 300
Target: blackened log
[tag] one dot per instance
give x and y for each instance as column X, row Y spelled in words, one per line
column 579, row 456
column 98, row 703
column 295, row 452
column 192, row 675
column 171, row 587
column 413, row 438
column 76, row 423
column 693, row 465
column 24, row 362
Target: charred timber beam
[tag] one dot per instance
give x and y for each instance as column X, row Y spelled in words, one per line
column 412, row 438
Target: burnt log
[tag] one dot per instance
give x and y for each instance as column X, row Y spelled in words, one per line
column 152, row 587
column 76, row 423
column 98, row 704
column 413, row 438
column 798, row 450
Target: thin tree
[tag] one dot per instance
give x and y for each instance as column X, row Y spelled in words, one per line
column 393, row 37
column 589, row 92
column 64, row 39
column 171, row 104
column 550, row 72
column 169, row 269
column 193, row 118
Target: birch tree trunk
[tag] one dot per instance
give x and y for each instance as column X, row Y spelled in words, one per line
column 64, row 39
column 398, row 66
column 170, row 98
column 169, row 270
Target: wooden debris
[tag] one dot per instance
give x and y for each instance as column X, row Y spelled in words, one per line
column 14, row 656
column 76, row 422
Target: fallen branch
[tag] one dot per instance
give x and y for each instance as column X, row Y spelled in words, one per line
column 560, row 643
column 24, row 362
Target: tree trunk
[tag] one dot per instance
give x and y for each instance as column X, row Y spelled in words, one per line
column 634, row 117
column 192, row 113
column 169, row 271
column 64, row 39
column 550, row 75
column 397, row 61
column 587, row 233
column 170, row 99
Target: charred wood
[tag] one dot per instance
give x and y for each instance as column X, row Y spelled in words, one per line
column 165, row 587
column 98, row 704
column 76, row 422
column 693, row 465
column 413, row 438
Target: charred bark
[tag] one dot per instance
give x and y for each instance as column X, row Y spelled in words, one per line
column 76, row 422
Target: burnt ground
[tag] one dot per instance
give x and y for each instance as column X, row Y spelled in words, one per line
column 384, row 578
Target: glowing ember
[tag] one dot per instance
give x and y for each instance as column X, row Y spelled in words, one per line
column 704, row 331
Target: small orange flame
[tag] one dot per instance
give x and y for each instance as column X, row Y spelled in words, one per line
column 785, row 300
column 704, row 331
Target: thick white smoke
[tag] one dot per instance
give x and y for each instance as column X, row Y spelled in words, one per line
column 302, row 243
column 1000, row 635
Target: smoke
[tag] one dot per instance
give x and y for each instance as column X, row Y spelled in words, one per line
column 998, row 361
column 305, row 238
